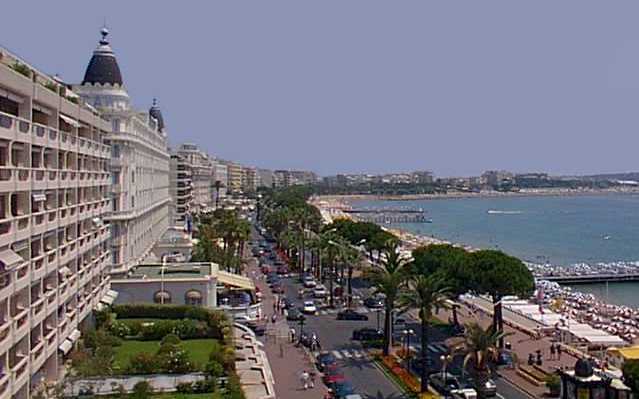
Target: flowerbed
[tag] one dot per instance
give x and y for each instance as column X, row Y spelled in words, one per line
column 407, row 379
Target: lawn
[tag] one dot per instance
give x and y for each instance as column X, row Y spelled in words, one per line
column 198, row 349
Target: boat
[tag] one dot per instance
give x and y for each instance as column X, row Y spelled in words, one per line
column 497, row 212
column 606, row 237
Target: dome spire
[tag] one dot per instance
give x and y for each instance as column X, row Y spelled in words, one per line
column 103, row 68
column 156, row 114
column 104, row 32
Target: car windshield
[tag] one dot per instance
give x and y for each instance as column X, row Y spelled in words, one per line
column 309, row 304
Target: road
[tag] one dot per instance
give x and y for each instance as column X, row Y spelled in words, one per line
column 358, row 367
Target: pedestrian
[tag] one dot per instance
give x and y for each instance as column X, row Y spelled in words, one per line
column 292, row 335
column 274, row 318
column 559, row 352
column 312, row 377
column 274, row 306
column 304, row 378
column 552, row 351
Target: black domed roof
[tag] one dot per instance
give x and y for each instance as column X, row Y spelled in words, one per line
column 583, row 368
column 155, row 112
column 103, row 67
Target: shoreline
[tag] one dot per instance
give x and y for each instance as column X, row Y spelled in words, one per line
column 481, row 194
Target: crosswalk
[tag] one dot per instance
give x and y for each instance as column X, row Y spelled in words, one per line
column 348, row 354
column 362, row 310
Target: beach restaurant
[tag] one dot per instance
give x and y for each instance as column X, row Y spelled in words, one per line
column 584, row 334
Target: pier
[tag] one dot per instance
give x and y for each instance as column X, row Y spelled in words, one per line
column 389, row 215
column 592, row 278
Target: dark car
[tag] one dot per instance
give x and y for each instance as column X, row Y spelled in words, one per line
column 325, row 359
column 341, row 389
column 282, row 270
column 293, row 314
column 350, row 314
column 373, row 303
column 488, row 390
column 443, row 382
column 367, row 334
column 287, row 303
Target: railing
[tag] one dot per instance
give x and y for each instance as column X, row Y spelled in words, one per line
column 11, row 122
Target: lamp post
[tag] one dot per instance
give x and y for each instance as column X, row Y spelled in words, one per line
column 445, row 359
column 162, row 279
column 378, row 311
column 407, row 334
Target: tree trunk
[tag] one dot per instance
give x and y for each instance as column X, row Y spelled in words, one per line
column 424, row 354
column 388, row 339
column 350, row 286
column 330, row 286
column 498, row 321
column 455, row 319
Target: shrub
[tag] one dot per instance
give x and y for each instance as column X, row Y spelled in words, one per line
column 22, row 69
column 96, row 338
column 214, row 369
column 120, row 329
column 170, row 339
column 174, row 359
column 184, row 387
column 144, row 363
column 204, row 386
column 51, row 86
column 142, row 390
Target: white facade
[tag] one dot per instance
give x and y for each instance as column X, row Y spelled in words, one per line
column 139, row 166
column 181, row 189
column 54, row 196
column 202, row 174
column 221, row 175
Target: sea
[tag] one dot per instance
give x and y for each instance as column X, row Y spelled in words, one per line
column 560, row 230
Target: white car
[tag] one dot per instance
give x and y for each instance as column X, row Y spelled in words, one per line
column 320, row 292
column 309, row 282
column 309, row 307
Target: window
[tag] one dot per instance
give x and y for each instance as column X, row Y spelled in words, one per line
column 193, row 297
column 133, row 201
column 116, row 125
column 162, row 297
column 133, row 176
column 115, row 150
column 115, row 177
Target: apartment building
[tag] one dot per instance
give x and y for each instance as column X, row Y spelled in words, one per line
column 139, row 161
column 286, row 178
column 202, row 174
column 54, row 197
column 234, row 174
column 180, row 189
column 221, row 176
column 249, row 179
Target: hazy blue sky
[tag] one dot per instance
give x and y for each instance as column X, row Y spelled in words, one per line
column 456, row 87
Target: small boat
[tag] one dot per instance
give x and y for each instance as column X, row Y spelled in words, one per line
column 606, row 237
column 497, row 212
column 428, row 221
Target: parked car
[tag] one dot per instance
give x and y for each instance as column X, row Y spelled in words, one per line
column 293, row 314
column 320, row 292
column 340, row 390
column 287, row 303
column 367, row 334
column 350, row 314
column 324, row 359
column 309, row 307
column 488, row 390
column 465, row 393
column 332, row 375
column 282, row 270
column 443, row 382
column 309, row 282
column 373, row 303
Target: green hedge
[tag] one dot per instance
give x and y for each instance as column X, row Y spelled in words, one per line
column 152, row 331
column 219, row 326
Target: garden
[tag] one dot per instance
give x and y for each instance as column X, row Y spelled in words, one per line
column 130, row 341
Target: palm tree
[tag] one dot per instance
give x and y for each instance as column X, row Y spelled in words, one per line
column 388, row 279
column 481, row 352
column 218, row 185
column 424, row 293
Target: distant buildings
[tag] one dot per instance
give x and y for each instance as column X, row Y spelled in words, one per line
column 181, row 189
column 202, row 172
column 287, row 178
column 496, row 178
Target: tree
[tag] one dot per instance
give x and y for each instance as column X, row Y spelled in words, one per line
column 142, row 390
column 631, row 374
column 481, row 352
column 388, row 279
column 498, row 275
column 424, row 293
column 448, row 263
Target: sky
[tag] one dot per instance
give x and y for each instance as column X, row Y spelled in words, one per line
column 349, row 86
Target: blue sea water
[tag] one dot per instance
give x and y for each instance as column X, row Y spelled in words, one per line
column 559, row 230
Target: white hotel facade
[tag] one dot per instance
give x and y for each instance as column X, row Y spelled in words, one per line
column 139, row 163
column 84, row 194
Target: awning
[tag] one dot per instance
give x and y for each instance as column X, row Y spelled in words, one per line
column 11, row 96
column 39, row 197
column 10, row 258
column 75, row 334
column 235, row 280
column 70, row 121
column 42, row 109
column 112, row 293
column 107, row 299
column 65, row 346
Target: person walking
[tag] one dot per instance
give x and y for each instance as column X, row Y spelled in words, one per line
column 304, row 377
column 312, row 375
column 292, row 335
column 559, row 352
column 552, row 351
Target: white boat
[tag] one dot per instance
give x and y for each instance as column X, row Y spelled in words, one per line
column 496, row 212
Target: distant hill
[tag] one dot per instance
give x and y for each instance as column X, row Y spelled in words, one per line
column 612, row 176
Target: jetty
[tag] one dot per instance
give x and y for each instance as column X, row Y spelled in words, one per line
column 389, row 215
column 592, row 278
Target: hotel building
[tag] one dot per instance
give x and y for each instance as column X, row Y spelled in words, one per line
column 180, row 189
column 54, row 199
column 139, row 161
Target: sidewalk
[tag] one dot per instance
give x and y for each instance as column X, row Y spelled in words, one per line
column 287, row 361
column 522, row 344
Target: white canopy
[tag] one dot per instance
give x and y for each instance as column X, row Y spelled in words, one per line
column 70, row 121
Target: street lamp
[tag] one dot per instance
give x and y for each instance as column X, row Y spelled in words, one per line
column 407, row 334
column 445, row 359
column 378, row 311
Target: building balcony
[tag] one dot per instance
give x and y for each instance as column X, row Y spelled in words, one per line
column 12, row 127
column 5, row 336
column 19, row 372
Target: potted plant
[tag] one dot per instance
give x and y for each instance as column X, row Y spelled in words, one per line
column 553, row 382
